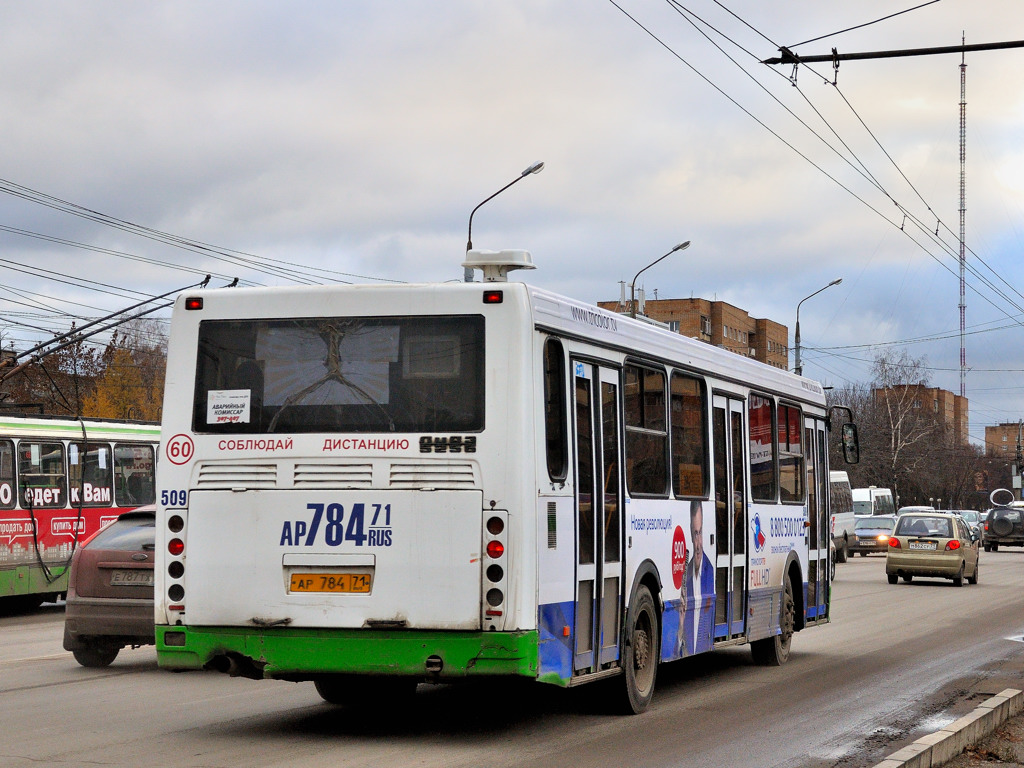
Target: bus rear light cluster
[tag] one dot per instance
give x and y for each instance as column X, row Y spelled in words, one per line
column 495, row 568
column 176, row 563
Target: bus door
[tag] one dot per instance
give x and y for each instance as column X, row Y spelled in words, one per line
column 818, row 518
column 596, row 420
column 730, row 517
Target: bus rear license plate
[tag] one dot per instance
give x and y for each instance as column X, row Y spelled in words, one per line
column 131, row 578
column 923, row 545
column 330, row 582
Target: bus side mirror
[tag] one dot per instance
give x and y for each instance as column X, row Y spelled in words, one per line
column 851, row 446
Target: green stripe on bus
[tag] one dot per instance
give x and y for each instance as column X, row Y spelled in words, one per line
column 21, row 428
column 30, row 580
column 294, row 652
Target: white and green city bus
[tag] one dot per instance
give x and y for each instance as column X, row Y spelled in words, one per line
column 369, row 487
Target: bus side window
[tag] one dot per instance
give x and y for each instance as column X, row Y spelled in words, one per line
column 791, row 457
column 554, row 411
column 8, row 488
column 646, row 433
column 763, row 474
column 689, row 436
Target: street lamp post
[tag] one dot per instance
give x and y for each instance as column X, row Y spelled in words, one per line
column 535, row 168
column 632, row 286
column 799, row 369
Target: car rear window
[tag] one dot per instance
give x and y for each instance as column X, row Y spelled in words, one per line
column 921, row 525
column 874, row 523
column 133, row 533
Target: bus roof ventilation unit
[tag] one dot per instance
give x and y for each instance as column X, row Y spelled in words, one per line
column 497, row 264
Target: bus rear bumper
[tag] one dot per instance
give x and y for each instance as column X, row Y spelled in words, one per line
column 304, row 654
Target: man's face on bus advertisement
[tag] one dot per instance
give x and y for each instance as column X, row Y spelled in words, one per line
column 697, row 533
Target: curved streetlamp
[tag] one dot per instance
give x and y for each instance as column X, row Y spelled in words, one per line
column 632, row 285
column 534, row 168
column 799, row 369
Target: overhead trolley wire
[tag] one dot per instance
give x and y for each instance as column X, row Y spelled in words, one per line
column 275, row 267
column 938, row 219
column 860, row 26
column 119, row 254
column 683, row 11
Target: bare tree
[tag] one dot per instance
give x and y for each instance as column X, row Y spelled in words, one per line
column 59, row 383
column 898, row 383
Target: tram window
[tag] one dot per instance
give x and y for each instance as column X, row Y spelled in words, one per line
column 762, row 449
column 791, row 458
column 646, row 434
column 554, row 411
column 689, row 436
column 90, row 475
column 44, row 482
column 133, row 475
column 8, row 488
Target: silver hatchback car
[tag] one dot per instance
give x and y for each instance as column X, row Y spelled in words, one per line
column 932, row 544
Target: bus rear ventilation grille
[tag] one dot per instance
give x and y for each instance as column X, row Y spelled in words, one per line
column 424, row 475
column 214, row 476
column 333, row 475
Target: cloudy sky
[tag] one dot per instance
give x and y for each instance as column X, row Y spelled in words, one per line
column 348, row 141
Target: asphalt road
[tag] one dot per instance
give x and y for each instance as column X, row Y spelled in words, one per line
column 897, row 662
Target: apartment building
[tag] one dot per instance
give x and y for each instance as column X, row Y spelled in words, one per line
column 718, row 323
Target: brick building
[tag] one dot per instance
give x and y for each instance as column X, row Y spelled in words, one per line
column 949, row 408
column 718, row 323
column 1001, row 440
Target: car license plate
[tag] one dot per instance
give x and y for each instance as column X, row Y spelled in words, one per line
column 330, row 582
column 923, row 545
column 131, row 578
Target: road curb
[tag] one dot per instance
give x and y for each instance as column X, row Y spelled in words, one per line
column 942, row 746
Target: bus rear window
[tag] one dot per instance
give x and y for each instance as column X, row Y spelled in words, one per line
column 340, row 374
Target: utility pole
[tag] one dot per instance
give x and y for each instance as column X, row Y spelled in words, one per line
column 1018, row 460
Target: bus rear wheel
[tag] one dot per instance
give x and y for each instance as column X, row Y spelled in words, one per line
column 640, row 652
column 373, row 692
column 774, row 651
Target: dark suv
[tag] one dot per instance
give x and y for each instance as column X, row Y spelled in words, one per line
column 1004, row 525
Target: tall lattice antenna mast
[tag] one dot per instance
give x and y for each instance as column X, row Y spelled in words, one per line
column 963, row 211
